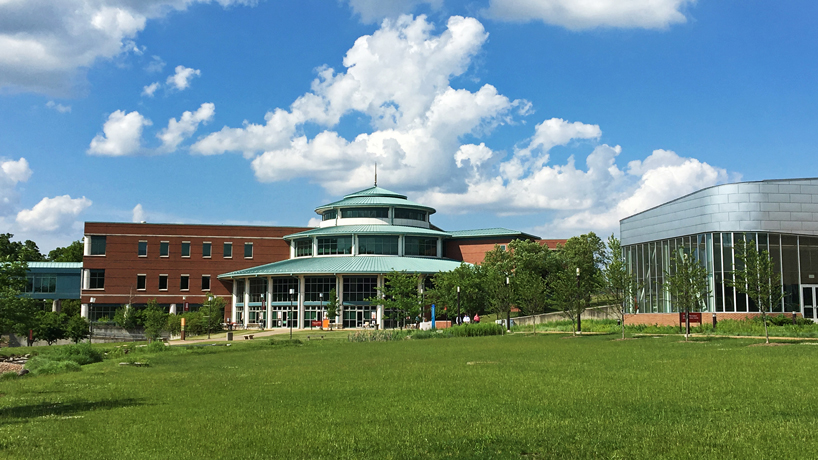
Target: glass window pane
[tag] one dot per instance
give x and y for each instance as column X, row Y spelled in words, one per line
column 206, row 247
column 365, row 212
column 790, row 275
column 248, row 250
column 420, row 246
column 186, row 249
column 303, row 247
column 97, row 245
column 387, row 245
column 164, row 249
column 143, row 249
column 184, row 283
column 412, row 214
column 228, row 250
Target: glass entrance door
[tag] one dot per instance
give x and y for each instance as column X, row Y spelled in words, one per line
column 808, row 295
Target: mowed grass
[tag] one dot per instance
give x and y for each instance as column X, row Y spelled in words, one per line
column 517, row 396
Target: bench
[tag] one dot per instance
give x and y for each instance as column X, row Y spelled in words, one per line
column 321, row 336
column 248, row 337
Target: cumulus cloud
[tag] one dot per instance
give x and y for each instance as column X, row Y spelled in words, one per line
column 46, row 45
column 375, row 10
column 58, row 107
column 588, row 14
column 178, row 131
column 155, row 65
column 12, row 172
column 52, row 214
column 150, row 89
column 181, row 79
column 138, row 214
column 122, row 135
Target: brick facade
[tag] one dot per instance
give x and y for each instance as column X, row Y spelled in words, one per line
column 672, row 319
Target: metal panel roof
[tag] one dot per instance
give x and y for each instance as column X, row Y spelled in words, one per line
column 376, row 191
column 374, row 201
column 348, row 265
column 371, row 229
column 490, row 232
column 54, row 264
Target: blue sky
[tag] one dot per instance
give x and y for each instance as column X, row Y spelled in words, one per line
column 554, row 117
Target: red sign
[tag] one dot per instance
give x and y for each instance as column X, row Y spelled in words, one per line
column 315, row 323
column 187, row 306
column 695, row 317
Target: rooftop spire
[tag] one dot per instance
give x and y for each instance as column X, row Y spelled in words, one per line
column 376, row 174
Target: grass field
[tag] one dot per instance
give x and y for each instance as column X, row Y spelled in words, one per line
column 514, row 396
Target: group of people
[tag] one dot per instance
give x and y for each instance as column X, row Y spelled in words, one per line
column 465, row 319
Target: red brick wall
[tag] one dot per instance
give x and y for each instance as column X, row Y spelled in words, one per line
column 122, row 263
column 672, row 319
column 474, row 251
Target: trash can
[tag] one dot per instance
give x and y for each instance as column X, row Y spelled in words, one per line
column 229, row 336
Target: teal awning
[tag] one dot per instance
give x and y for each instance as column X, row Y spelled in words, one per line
column 384, row 229
column 331, row 265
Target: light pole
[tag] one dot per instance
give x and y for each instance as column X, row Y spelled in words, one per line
column 579, row 299
column 422, row 303
column 209, row 312
column 91, row 318
column 508, row 305
column 290, row 315
column 321, row 299
column 458, row 304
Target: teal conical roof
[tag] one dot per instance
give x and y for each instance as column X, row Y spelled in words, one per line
column 375, row 191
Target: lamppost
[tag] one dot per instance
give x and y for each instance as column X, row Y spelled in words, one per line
column 321, row 299
column 91, row 318
column 508, row 305
column 422, row 303
column 458, row 304
column 209, row 312
column 579, row 299
column 290, row 315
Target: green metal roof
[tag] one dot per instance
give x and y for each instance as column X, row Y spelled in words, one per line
column 491, row 233
column 369, row 229
column 376, row 191
column 347, row 265
column 367, row 201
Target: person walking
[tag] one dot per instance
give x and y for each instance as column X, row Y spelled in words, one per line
column 476, row 318
column 466, row 319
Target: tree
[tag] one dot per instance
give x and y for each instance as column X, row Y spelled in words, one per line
column 686, row 281
column 51, row 327
column 498, row 268
column 155, row 320
column 77, row 328
column 619, row 284
column 470, row 279
column 586, row 252
column 567, row 295
column 128, row 317
column 17, row 312
column 399, row 295
column 213, row 311
column 26, row 252
column 71, row 253
column 332, row 307
column 757, row 276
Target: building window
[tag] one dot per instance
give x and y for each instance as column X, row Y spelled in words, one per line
column 97, row 245
column 360, row 288
column 281, row 289
column 329, row 215
column 315, row 285
column 303, row 247
column 143, row 248
column 412, row 214
column 248, row 250
column 338, row 245
column 228, row 250
column 206, row 247
column 364, row 212
column 164, row 249
column 163, row 282
column 419, row 246
column 141, row 281
column 185, row 248
column 387, row 245
column 96, row 279
column 41, row 283
column 184, row 283
column 258, row 287
column 205, row 282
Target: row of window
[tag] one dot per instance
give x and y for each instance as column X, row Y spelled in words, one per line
column 382, row 213
column 316, row 288
column 380, row 245
column 207, row 249
column 46, row 284
column 96, row 280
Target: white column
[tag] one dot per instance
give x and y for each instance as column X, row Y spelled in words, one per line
column 401, row 242
column 269, row 296
column 339, row 292
column 440, row 247
column 86, row 246
column 301, row 287
column 56, row 306
column 235, row 300
column 292, row 249
column 84, row 310
column 246, row 295
column 172, row 310
column 380, row 284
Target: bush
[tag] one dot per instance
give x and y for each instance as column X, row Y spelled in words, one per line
column 377, row 336
column 81, row 353
column 157, row 346
column 8, row 375
column 476, row 330
column 39, row 365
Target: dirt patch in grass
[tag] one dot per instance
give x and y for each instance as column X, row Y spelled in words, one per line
column 771, row 344
column 626, row 338
column 9, row 367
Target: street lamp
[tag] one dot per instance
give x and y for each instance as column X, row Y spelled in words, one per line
column 290, row 316
column 579, row 299
column 508, row 305
column 321, row 299
column 458, row 304
column 91, row 318
column 422, row 303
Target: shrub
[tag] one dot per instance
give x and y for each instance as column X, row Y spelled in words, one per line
column 476, row 330
column 81, row 353
column 377, row 336
column 8, row 375
column 157, row 346
column 39, row 365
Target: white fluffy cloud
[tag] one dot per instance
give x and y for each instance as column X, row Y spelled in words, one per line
column 150, row 89
column 374, row 10
column 178, row 131
column 45, row 44
column 122, row 135
column 12, row 172
column 52, row 214
column 138, row 214
column 587, row 14
column 181, row 79
column 58, row 107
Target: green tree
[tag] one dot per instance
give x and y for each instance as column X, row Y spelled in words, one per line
column 469, row 278
column 71, row 253
column 399, row 295
column 213, row 313
column 155, row 320
column 586, row 252
column 332, row 307
column 15, row 250
column 757, row 276
column 128, row 317
column 77, row 328
column 686, row 281
column 17, row 312
column 566, row 295
column 619, row 285
column 532, row 264
column 498, row 266
column 51, row 327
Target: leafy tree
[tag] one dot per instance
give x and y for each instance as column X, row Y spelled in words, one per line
column 567, row 295
column 71, row 253
column 470, row 279
column 332, row 307
column 757, row 276
column 15, row 250
column 51, row 327
column 155, row 320
column 498, row 268
column 399, row 295
column 17, row 312
column 619, row 285
column 586, row 252
column 213, row 313
column 77, row 328
column 686, row 281
column 532, row 263
column 128, row 317
column 71, row 307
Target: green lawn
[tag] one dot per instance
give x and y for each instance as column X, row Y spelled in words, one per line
column 514, row 396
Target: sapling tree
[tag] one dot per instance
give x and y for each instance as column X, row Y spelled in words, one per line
column 332, row 307
column 619, row 285
column 77, row 328
column 213, row 311
column 758, row 277
column 51, row 327
column 156, row 320
column 686, row 281
column 399, row 294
